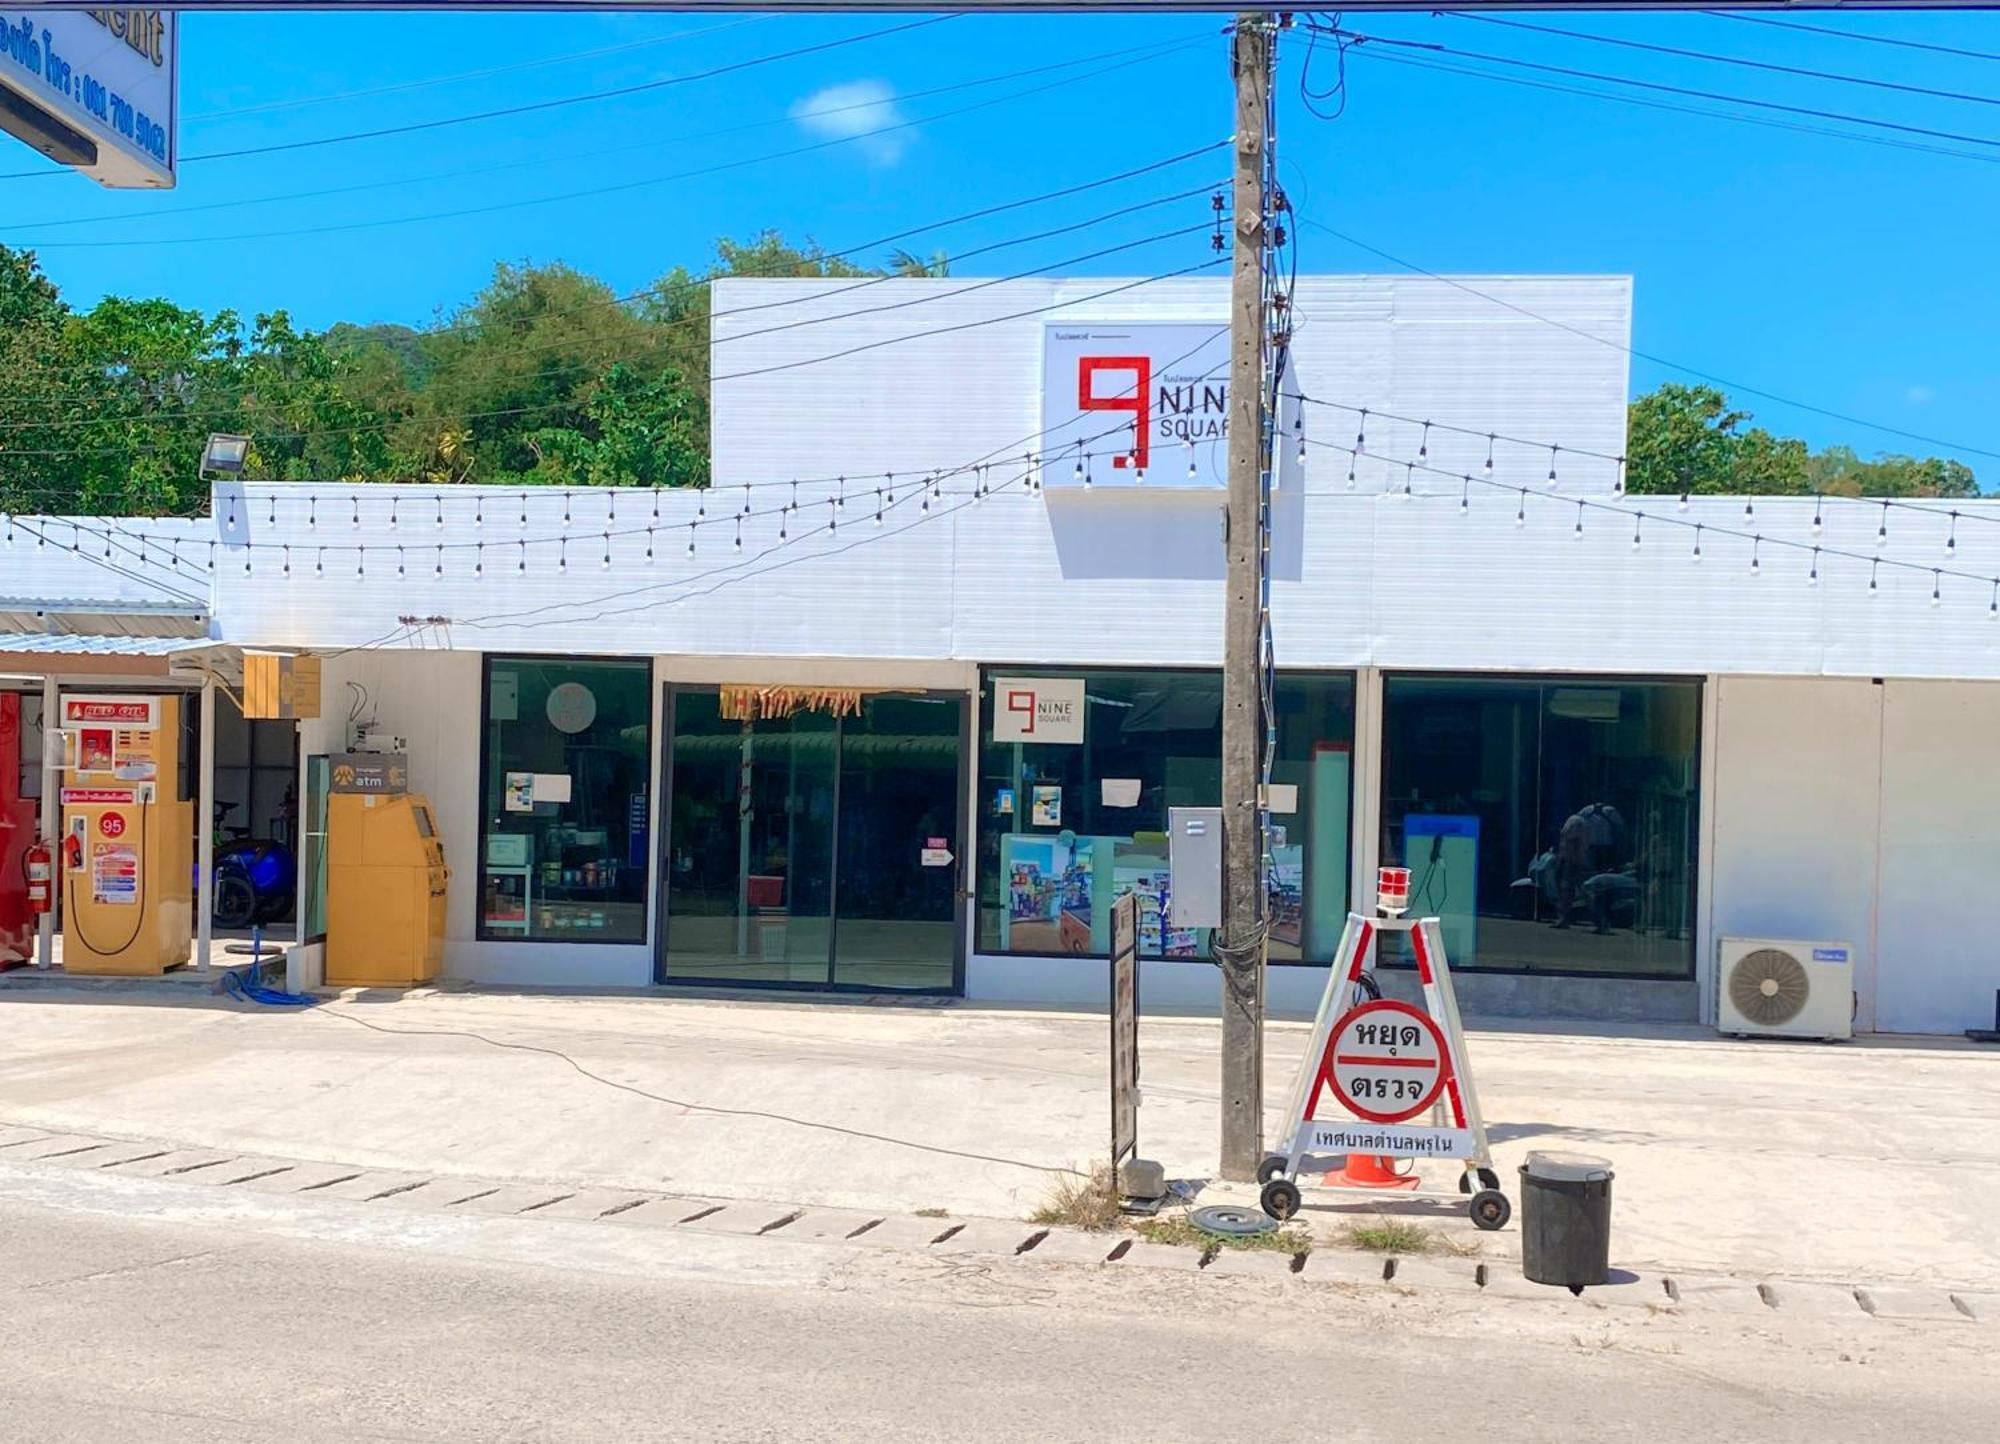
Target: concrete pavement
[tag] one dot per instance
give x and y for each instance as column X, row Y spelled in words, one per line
column 1868, row 1163
column 149, row 1310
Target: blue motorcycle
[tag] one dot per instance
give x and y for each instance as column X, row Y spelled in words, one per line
column 256, row 878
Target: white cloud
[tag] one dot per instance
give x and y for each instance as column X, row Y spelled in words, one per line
column 1920, row 396
column 856, row 109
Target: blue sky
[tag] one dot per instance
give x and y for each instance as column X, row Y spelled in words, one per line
column 1856, row 277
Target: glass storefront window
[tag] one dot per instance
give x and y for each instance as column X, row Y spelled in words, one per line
column 1549, row 823
column 1066, row 828
column 565, row 826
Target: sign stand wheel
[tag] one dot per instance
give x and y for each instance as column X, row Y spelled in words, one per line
column 1487, row 1179
column 1280, row 1198
column 1490, row 1210
column 1273, row 1166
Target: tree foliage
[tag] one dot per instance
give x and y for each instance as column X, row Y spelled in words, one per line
column 1688, row 439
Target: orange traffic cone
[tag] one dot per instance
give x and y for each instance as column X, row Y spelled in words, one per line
column 1370, row 1170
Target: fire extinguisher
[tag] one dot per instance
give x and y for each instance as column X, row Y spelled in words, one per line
column 39, row 865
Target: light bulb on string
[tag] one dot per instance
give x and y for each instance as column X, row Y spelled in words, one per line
column 565, row 508
column 739, row 539
column 479, row 561
column 10, row 529
column 611, row 508
column 211, row 555
column 354, row 521
column 439, row 499
column 1521, row 511
column 1192, row 473
column 402, row 561
column 793, row 504
column 437, row 567
column 746, row 498
column 524, row 510
column 319, row 562
column 832, row 516
column 1077, row 474
column 1697, row 541
column 607, row 551
column 840, row 501
column 1579, row 521
column 1424, row 446
column 1491, row 437
column 479, row 510
column 979, row 481
column 562, row 556
column 888, row 492
column 1749, row 510
column 1684, row 501
column 312, row 513
column 656, row 505
column 878, row 506
column 1937, row 587
column 691, row 527
column 521, row 565
column 1298, row 436
column 1465, row 497
column 271, row 515
column 1409, row 478
column 1618, row 486
column 392, row 513
column 1552, row 467
column 360, row 562
column 1353, row 460
column 1638, row 520
column 1138, row 472
column 246, row 561
column 649, row 546
column 1951, row 539
column 1882, row 531
column 701, row 509
column 1361, row 433
column 1993, row 607
column 288, row 561
column 1812, row 577
column 1756, row 564
column 1819, row 523
column 1873, row 567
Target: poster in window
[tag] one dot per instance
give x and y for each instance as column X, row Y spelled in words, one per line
column 1048, row 807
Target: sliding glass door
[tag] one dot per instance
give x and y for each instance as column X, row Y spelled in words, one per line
column 814, row 851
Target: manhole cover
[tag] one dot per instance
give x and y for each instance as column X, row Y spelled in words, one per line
column 1232, row 1222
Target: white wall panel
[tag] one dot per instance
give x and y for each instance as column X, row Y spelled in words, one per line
column 1939, row 963
column 1797, row 784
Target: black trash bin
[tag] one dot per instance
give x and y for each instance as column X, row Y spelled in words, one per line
column 1566, row 1220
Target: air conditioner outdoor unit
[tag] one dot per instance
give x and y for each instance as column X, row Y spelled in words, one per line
column 1778, row 989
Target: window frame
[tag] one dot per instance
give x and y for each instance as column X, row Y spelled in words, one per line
column 481, row 932
column 981, row 739
column 1697, row 859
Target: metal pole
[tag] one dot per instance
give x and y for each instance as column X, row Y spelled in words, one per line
column 1241, row 954
column 204, row 826
column 45, row 930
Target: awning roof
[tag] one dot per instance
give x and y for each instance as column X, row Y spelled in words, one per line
column 76, row 644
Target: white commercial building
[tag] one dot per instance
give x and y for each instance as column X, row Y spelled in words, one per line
column 778, row 732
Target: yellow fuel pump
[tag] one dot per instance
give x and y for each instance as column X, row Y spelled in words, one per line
column 386, row 879
column 127, row 862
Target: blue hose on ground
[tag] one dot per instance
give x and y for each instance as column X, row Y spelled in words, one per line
column 243, row 982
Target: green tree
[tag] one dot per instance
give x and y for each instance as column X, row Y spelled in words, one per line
column 1688, row 439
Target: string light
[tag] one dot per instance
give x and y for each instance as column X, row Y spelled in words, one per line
column 1749, row 510
column 479, row 510
column 211, row 554
column 437, row 569
column 271, row 516
column 1697, row 541
column 401, row 561
column 1192, row 473
column 889, row 491
column 562, row 556
column 1465, row 497
column 1882, row 531
column 1521, row 513
column 1298, row 434
column 739, row 541
column 1937, row 587
column 607, row 551
column 878, row 506
column 1353, row 460
column 1756, row 566
column 1684, row 501
column 361, row 561
column 522, row 565
column 1491, row 437
column 439, row 499
column 1361, row 433
column 312, row 513
column 1812, row 577
column 10, row 529
column 1077, row 473
column 1819, row 524
column 1951, row 539
column 288, row 561
column 841, row 502
column 319, row 562
column 656, row 505
column 392, row 513
column 649, row 546
column 1993, row 607
column 1638, row 518
column 565, row 508
column 832, row 515
column 1552, row 467
column 524, row 509
column 937, row 486
column 691, row 527
column 1579, row 521
column 1873, row 589
column 354, row 521
column 746, row 498
column 611, row 506
column 479, row 561
column 1409, row 478
column 1618, row 486
column 246, row 560
column 1424, row 446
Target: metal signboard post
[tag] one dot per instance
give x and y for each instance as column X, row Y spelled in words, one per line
column 1124, row 1030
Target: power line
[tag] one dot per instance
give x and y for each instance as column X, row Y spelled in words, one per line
column 430, row 82
column 566, row 402
column 695, row 285
column 589, row 193
column 416, row 127
column 1854, row 35
column 1766, row 122
column 1653, row 357
column 1718, row 59
column 1664, row 88
column 1130, row 53
column 928, row 298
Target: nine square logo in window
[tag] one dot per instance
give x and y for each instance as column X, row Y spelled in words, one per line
column 1038, row 709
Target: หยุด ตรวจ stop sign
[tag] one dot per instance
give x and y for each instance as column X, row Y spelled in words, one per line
column 1388, row 1061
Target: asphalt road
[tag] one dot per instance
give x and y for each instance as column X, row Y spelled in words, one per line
column 124, row 1321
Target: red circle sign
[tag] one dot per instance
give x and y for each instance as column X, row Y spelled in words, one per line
column 112, row 824
column 1389, row 1061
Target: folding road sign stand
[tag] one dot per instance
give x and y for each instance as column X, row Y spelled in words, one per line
column 1381, row 1064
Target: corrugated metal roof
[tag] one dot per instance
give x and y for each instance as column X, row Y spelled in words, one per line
column 72, row 644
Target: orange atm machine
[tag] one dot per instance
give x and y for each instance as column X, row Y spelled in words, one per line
column 127, row 851
column 386, row 879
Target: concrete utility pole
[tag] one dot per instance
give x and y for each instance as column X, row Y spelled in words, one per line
column 1242, row 950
